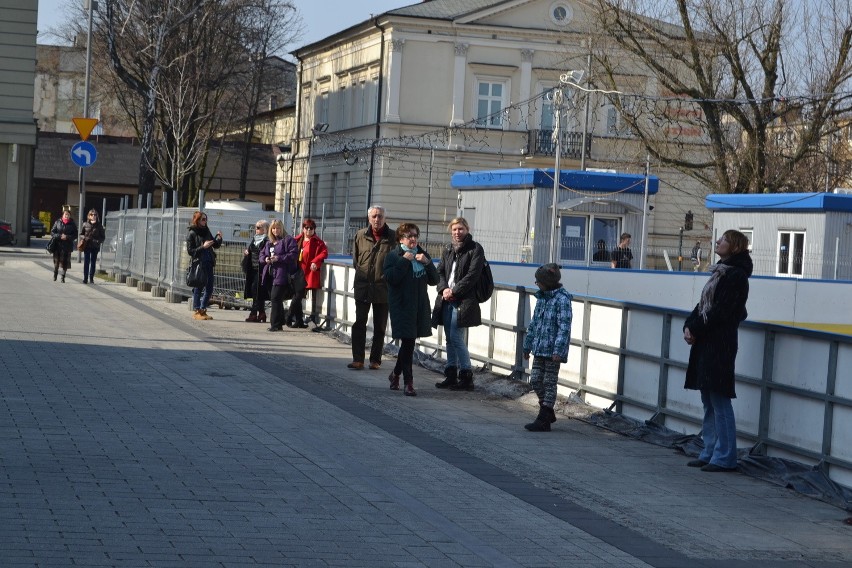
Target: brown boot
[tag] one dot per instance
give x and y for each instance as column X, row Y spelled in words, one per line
column 261, row 316
column 252, row 317
column 394, row 381
column 198, row 315
column 409, row 388
column 206, row 315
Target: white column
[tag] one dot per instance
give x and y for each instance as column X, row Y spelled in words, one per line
column 526, row 87
column 394, row 79
column 458, row 83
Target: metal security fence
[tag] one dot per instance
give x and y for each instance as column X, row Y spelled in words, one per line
column 147, row 248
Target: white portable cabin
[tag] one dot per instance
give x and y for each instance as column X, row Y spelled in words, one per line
column 511, row 213
column 799, row 235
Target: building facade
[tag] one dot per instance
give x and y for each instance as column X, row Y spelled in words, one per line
column 17, row 127
column 388, row 110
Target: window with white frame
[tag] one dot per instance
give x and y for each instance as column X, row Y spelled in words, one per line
column 491, row 98
column 546, row 118
column 322, row 108
column 749, row 234
column 791, row 251
column 576, row 244
column 343, row 108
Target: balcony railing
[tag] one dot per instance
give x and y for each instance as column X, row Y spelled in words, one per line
column 541, row 143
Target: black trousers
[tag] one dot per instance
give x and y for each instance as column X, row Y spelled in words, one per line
column 359, row 331
column 276, row 299
column 261, row 294
column 405, row 360
column 297, row 313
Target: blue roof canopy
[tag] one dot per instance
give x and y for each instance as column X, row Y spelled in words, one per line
column 811, row 202
column 528, row 178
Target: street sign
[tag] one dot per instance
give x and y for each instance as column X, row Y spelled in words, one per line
column 85, row 126
column 84, row 154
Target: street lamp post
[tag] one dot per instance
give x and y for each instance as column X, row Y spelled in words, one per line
column 558, row 99
column 82, row 175
column 315, row 132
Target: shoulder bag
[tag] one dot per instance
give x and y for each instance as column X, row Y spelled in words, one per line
column 196, row 276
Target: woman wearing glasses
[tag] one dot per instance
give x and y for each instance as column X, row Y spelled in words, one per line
column 278, row 259
column 199, row 244
column 92, row 233
column 251, row 266
column 312, row 252
column 408, row 271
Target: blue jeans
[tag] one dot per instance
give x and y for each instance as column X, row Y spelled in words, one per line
column 90, row 259
column 719, row 430
column 457, row 354
column 200, row 302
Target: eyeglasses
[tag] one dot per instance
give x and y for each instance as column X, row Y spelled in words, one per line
column 258, row 226
column 203, row 219
column 411, row 236
column 309, row 228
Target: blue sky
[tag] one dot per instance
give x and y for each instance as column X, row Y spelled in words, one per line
column 321, row 17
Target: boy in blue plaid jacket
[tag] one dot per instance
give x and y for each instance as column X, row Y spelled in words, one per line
column 547, row 339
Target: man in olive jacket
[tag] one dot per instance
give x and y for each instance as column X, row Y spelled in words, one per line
column 369, row 250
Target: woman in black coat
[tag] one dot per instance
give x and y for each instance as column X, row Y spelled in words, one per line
column 456, row 306
column 409, row 271
column 711, row 329
column 251, row 266
column 93, row 235
column 199, row 242
column 65, row 231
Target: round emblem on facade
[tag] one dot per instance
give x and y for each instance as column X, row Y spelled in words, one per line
column 561, row 13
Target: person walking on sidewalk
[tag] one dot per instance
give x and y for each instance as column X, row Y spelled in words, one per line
column 278, row 258
column 251, row 266
column 312, row 253
column 409, row 272
column 456, row 306
column 65, row 232
column 711, row 331
column 547, row 340
column 199, row 244
column 92, row 233
column 369, row 250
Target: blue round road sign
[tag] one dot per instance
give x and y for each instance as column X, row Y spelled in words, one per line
column 84, row 154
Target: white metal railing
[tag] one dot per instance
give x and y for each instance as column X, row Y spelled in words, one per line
column 793, row 401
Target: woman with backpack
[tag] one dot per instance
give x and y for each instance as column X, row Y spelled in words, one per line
column 457, row 305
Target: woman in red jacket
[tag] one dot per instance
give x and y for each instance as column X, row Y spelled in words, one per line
column 312, row 252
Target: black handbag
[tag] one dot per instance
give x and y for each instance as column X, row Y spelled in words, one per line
column 196, row 276
column 52, row 244
column 297, row 281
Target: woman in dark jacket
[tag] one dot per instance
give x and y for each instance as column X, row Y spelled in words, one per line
column 711, row 329
column 408, row 270
column 199, row 242
column 456, row 306
column 65, row 231
column 92, row 233
column 251, row 266
column 278, row 259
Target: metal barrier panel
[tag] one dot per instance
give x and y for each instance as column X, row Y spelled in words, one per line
column 790, row 399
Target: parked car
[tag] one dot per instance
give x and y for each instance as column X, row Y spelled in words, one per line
column 37, row 228
column 7, row 235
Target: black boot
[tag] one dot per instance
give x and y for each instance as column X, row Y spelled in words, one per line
column 542, row 421
column 465, row 381
column 55, row 274
column 451, row 375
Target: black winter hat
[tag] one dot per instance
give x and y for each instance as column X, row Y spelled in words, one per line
column 548, row 275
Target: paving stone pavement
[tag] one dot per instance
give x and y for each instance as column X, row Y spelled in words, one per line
column 132, row 435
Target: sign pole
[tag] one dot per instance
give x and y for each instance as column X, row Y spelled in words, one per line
column 82, row 176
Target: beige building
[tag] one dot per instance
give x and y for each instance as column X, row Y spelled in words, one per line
column 397, row 104
column 17, row 127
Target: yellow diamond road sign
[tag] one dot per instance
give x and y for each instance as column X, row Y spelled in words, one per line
column 85, row 126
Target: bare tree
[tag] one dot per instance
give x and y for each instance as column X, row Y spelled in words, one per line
column 743, row 95
column 268, row 26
